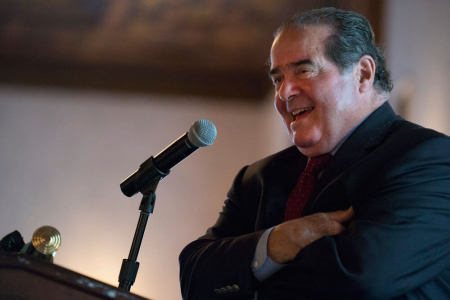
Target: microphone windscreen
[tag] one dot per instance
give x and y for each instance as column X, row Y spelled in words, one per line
column 202, row 133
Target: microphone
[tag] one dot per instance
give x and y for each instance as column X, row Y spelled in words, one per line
column 202, row 133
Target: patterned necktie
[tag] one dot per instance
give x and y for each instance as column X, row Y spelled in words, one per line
column 305, row 186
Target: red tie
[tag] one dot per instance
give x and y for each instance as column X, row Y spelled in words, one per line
column 305, row 186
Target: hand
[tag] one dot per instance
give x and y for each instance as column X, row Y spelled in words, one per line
column 287, row 239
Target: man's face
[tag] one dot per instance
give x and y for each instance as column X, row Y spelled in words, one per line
column 318, row 104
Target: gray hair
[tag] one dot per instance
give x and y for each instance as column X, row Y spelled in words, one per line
column 352, row 38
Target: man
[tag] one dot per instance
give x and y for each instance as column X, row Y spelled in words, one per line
column 376, row 224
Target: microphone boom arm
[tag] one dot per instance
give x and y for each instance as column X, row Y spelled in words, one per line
column 130, row 266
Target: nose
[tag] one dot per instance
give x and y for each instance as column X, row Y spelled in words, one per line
column 289, row 89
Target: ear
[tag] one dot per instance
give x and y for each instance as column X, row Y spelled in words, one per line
column 365, row 73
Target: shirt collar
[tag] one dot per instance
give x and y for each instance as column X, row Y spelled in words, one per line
column 341, row 142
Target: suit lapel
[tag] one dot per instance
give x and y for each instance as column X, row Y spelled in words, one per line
column 277, row 183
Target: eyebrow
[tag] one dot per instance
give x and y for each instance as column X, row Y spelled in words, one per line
column 276, row 70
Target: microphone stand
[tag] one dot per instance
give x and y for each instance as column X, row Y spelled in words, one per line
column 130, row 266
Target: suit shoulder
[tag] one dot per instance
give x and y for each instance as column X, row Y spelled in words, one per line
column 409, row 145
column 413, row 134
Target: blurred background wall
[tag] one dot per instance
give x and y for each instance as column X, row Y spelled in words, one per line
column 417, row 46
column 63, row 153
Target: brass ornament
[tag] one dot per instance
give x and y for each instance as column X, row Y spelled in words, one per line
column 46, row 240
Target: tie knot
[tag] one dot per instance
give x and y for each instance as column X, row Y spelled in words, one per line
column 318, row 163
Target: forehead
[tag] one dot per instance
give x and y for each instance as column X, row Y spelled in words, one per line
column 295, row 44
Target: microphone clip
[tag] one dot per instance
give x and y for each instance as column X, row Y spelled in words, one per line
column 144, row 178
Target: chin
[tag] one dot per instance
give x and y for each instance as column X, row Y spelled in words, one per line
column 306, row 150
column 309, row 145
column 310, row 149
column 301, row 142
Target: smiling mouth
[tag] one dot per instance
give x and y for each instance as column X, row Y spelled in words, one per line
column 301, row 111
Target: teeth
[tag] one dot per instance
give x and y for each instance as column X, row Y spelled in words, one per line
column 301, row 110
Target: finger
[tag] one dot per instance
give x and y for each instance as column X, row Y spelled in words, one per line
column 342, row 216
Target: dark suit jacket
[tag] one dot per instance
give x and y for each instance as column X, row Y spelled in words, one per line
column 397, row 177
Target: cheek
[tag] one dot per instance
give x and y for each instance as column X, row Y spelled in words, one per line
column 334, row 96
column 279, row 106
column 345, row 93
column 281, row 109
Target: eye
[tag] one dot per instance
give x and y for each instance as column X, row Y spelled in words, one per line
column 277, row 80
column 305, row 71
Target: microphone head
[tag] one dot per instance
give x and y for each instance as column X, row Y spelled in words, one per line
column 202, row 133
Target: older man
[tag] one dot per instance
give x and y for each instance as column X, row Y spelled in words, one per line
column 358, row 208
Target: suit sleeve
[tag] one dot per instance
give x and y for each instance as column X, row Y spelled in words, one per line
column 398, row 241
column 218, row 263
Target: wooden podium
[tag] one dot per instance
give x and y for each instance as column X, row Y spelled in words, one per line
column 25, row 277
